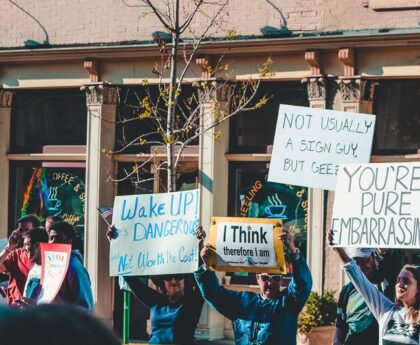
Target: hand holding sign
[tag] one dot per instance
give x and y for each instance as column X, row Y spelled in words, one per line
column 288, row 241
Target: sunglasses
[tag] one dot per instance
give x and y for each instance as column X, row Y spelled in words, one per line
column 177, row 277
column 275, row 278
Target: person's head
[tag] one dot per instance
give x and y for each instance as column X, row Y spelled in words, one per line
column 407, row 288
column 31, row 241
column 27, row 223
column 269, row 284
column 174, row 284
column 366, row 260
column 51, row 324
column 61, row 232
column 50, row 220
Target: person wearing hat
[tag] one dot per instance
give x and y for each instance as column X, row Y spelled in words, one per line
column 265, row 318
column 355, row 323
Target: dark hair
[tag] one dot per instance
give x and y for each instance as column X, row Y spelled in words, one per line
column 414, row 311
column 29, row 218
column 37, row 235
column 64, row 228
column 54, row 219
column 51, row 324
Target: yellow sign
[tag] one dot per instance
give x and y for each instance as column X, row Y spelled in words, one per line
column 247, row 245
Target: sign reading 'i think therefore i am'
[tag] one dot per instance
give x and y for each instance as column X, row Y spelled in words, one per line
column 247, row 245
column 310, row 144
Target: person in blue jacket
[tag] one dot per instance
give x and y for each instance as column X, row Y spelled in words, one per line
column 175, row 309
column 269, row 317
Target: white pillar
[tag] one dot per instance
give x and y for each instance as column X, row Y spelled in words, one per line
column 213, row 176
column 5, row 119
column 101, row 103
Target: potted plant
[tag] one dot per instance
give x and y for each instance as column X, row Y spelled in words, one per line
column 317, row 319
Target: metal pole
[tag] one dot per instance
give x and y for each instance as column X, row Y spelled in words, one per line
column 126, row 317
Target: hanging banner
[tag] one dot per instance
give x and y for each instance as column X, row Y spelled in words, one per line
column 247, row 245
column 377, row 205
column 156, row 234
column 310, row 143
column 55, row 263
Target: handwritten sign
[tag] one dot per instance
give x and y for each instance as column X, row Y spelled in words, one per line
column 310, row 144
column 156, row 234
column 377, row 205
column 247, row 245
column 55, row 262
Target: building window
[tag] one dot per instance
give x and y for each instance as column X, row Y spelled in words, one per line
column 47, row 117
column 46, row 125
column 253, row 131
column 251, row 195
column 397, row 106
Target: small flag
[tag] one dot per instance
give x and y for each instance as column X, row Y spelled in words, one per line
column 105, row 212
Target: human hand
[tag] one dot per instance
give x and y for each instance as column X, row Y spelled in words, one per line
column 13, row 240
column 112, row 233
column 288, row 241
column 205, row 254
column 200, row 234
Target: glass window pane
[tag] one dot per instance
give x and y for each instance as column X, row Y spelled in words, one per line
column 397, row 105
column 48, row 192
column 255, row 197
column 134, row 118
column 253, row 131
column 48, row 117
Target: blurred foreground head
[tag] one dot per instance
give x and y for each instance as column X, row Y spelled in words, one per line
column 51, row 325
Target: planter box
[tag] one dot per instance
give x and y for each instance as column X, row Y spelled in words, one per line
column 318, row 336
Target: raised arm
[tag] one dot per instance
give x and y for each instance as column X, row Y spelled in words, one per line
column 376, row 301
column 11, row 245
column 145, row 294
column 301, row 284
column 226, row 302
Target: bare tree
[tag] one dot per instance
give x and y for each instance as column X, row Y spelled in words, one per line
column 178, row 118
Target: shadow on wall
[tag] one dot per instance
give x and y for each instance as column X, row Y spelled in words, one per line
column 271, row 31
column 32, row 43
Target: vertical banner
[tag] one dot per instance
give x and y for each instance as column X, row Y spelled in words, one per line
column 156, row 233
column 377, row 205
column 310, row 143
column 55, row 262
column 247, row 245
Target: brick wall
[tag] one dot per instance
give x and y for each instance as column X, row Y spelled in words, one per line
column 84, row 21
column 353, row 15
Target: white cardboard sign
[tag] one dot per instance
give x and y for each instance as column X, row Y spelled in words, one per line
column 310, row 143
column 156, row 234
column 377, row 205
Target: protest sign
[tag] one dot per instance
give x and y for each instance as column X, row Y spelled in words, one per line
column 156, row 234
column 55, row 262
column 247, row 245
column 377, row 205
column 310, row 144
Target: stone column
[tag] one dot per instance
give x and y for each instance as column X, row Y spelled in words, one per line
column 5, row 119
column 101, row 100
column 317, row 96
column 356, row 94
column 213, row 177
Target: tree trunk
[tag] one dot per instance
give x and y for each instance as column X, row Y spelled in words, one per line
column 171, row 178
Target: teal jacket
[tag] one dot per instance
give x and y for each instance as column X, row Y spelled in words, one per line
column 257, row 320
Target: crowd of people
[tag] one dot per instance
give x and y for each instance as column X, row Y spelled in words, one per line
column 380, row 305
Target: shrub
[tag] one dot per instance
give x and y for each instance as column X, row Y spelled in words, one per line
column 320, row 310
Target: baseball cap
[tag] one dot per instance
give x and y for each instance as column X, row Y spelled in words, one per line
column 360, row 252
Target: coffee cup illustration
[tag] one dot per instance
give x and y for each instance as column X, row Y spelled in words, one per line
column 276, row 211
